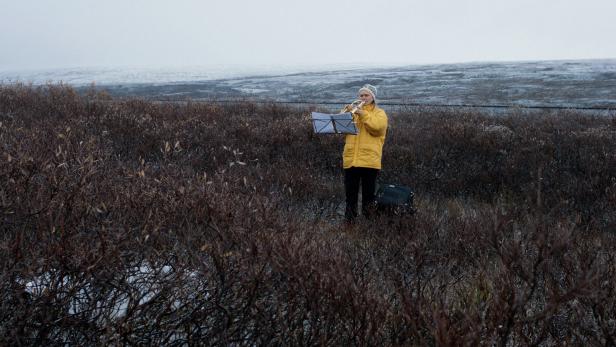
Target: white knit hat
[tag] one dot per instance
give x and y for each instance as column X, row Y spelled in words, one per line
column 370, row 89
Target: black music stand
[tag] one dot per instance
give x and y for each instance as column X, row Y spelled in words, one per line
column 340, row 123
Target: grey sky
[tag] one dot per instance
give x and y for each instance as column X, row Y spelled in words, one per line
column 39, row 34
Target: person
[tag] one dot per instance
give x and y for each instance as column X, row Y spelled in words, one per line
column 362, row 153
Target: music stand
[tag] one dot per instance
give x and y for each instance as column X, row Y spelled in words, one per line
column 341, row 123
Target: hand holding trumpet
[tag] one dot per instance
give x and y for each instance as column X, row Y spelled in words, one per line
column 355, row 107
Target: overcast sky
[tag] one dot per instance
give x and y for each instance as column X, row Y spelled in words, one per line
column 41, row 34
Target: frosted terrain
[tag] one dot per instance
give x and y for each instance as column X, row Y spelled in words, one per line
column 582, row 83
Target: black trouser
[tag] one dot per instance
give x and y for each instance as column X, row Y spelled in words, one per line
column 352, row 177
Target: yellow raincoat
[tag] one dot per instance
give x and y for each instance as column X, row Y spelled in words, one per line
column 365, row 149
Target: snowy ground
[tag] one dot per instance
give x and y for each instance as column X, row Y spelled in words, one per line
column 583, row 83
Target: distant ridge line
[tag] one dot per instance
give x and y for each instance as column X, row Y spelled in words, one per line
column 546, row 107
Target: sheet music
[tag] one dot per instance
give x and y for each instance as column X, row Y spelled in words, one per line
column 341, row 123
column 322, row 123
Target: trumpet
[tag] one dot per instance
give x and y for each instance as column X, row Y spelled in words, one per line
column 355, row 105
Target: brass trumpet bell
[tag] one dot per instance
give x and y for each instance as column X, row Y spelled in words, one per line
column 355, row 105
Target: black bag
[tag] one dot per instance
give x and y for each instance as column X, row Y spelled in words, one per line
column 394, row 199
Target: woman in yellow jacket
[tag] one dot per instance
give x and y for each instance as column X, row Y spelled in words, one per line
column 362, row 153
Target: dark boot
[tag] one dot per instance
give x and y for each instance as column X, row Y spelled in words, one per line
column 369, row 211
column 350, row 214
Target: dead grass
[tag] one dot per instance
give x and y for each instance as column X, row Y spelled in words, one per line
column 131, row 222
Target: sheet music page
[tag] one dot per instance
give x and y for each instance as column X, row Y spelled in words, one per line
column 344, row 123
column 322, row 123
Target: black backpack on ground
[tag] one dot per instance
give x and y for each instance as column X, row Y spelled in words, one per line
column 394, row 199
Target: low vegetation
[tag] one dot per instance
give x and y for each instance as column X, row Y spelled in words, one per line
column 133, row 222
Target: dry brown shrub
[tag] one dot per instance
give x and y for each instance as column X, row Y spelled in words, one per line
column 133, row 222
